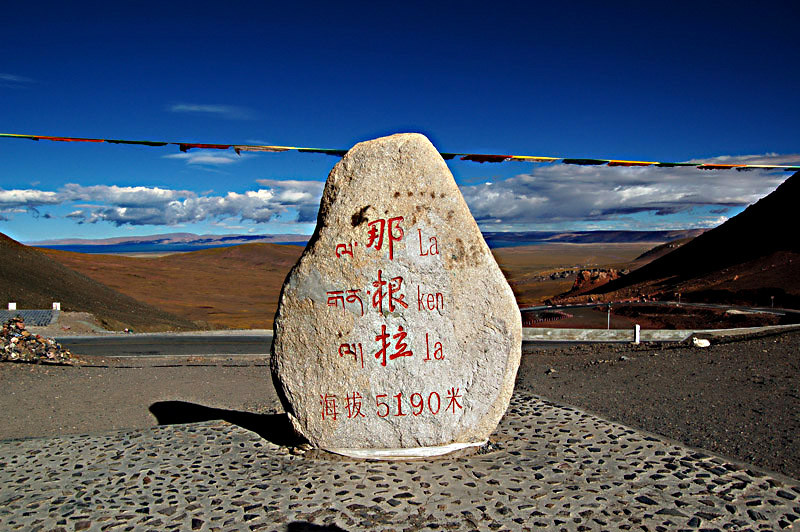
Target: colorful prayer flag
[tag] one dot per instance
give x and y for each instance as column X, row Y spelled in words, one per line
column 475, row 157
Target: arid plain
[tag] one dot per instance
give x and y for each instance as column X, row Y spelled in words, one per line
column 238, row 287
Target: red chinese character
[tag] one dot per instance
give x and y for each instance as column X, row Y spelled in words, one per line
column 392, row 237
column 352, row 297
column 354, row 405
column 400, row 347
column 328, row 403
column 377, row 295
column 452, row 398
column 394, row 286
column 335, row 297
column 376, row 234
column 383, row 338
column 377, row 229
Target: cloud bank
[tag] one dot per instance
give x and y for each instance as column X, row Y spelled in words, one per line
column 159, row 206
column 550, row 195
column 562, row 194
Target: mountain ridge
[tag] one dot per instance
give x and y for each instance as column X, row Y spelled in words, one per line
column 172, row 238
column 191, row 241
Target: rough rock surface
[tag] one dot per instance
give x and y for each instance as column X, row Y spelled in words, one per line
column 588, row 279
column 396, row 329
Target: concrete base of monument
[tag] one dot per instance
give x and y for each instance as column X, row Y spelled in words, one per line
column 407, row 453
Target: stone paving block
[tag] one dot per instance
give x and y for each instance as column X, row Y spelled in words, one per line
column 557, row 468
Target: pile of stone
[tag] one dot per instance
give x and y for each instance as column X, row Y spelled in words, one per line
column 18, row 345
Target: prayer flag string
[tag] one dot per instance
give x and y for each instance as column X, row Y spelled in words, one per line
column 475, row 157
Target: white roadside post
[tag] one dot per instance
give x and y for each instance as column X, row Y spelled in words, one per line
column 12, row 306
column 637, row 333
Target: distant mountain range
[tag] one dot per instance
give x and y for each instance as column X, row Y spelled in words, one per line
column 523, row 238
column 192, row 242
column 167, row 242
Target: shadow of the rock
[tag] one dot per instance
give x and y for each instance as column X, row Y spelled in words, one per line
column 275, row 428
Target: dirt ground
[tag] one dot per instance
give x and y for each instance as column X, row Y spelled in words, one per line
column 70, row 324
column 739, row 399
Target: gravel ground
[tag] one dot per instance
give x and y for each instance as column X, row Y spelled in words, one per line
column 739, row 399
column 58, row 400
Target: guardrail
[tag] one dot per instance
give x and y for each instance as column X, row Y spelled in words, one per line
column 646, row 335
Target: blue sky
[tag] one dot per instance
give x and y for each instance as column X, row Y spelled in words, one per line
column 676, row 82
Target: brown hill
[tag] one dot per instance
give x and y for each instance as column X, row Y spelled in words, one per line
column 658, row 252
column 232, row 287
column 748, row 259
column 33, row 280
column 540, row 272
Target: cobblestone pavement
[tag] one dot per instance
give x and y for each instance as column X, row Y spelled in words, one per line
column 552, row 468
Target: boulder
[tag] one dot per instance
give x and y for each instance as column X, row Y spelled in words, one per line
column 396, row 333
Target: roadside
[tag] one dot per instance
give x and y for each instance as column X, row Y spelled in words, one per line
column 103, row 393
column 85, row 324
column 71, row 324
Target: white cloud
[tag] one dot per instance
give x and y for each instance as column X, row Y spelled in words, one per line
column 14, row 78
column 29, row 198
column 766, row 159
column 207, row 157
column 13, row 81
column 712, row 222
column 231, row 227
column 122, row 196
column 303, row 196
column 230, row 112
column 159, row 206
column 563, row 194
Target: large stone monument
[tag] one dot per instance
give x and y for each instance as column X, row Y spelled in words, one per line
column 396, row 333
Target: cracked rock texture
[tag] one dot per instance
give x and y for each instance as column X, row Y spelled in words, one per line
column 396, row 329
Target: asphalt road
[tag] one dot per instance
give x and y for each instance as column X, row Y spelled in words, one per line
column 160, row 345
column 167, row 345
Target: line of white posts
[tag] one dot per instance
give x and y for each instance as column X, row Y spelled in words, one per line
column 13, row 306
